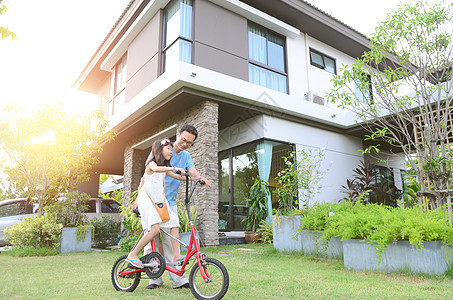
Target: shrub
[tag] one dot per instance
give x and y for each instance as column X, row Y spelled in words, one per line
column 70, row 211
column 128, row 242
column 106, row 230
column 382, row 225
column 267, row 232
column 35, row 232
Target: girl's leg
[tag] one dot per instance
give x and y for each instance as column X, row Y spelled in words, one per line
column 174, row 231
column 143, row 242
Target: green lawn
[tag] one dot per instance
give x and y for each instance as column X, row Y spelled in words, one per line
column 256, row 272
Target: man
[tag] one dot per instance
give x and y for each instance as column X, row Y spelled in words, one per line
column 185, row 137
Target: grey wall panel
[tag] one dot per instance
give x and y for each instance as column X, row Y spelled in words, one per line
column 142, row 58
column 221, row 41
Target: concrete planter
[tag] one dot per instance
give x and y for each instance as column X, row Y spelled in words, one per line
column 69, row 242
column 401, row 256
column 284, row 231
column 313, row 245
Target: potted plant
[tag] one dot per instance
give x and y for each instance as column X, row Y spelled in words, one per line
column 257, row 210
column 70, row 211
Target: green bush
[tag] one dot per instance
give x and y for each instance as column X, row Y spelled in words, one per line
column 106, row 230
column 382, row 225
column 70, row 211
column 35, row 232
column 267, row 232
column 128, row 242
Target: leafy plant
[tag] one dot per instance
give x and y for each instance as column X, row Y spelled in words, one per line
column 267, row 232
column 130, row 222
column 184, row 225
column 382, row 225
column 106, row 230
column 258, row 196
column 303, row 171
column 128, row 242
column 35, row 232
column 366, row 178
column 70, row 210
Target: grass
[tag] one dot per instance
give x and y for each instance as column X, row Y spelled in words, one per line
column 256, row 272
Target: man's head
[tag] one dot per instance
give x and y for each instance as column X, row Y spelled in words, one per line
column 185, row 137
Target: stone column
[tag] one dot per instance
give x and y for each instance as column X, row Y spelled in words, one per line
column 204, row 152
column 133, row 170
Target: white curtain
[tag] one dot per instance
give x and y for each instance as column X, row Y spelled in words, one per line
column 264, row 157
column 266, row 78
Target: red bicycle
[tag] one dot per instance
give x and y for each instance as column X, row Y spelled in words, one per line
column 208, row 278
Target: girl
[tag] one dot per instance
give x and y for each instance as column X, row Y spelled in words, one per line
column 153, row 188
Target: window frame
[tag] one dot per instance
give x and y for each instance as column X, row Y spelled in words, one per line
column 122, row 62
column 164, row 48
column 323, row 56
column 266, row 66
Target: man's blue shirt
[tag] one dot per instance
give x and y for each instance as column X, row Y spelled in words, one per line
column 181, row 160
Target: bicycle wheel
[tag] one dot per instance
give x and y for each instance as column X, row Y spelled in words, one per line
column 156, row 262
column 217, row 283
column 127, row 283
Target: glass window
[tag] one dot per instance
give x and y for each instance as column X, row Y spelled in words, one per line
column 323, row 61
column 267, row 59
column 177, row 43
column 120, row 75
column 238, row 169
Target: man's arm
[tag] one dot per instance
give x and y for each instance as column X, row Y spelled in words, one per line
column 195, row 176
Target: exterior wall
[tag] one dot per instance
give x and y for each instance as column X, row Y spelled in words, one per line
column 143, row 58
column 204, row 116
column 221, row 42
column 341, row 149
column 320, row 79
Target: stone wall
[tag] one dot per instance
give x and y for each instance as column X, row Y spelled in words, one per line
column 134, row 166
column 204, row 116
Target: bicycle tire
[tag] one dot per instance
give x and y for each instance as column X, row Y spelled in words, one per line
column 217, row 287
column 158, row 270
column 127, row 283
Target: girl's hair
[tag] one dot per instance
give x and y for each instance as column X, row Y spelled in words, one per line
column 158, row 158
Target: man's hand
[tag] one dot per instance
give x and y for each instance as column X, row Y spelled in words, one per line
column 208, row 183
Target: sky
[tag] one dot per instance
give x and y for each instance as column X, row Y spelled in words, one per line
column 56, row 39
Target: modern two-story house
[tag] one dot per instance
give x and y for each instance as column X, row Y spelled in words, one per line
column 250, row 75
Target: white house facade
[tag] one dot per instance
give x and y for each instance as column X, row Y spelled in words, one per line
column 250, row 75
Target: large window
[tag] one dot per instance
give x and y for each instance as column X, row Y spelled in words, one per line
column 177, row 36
column 323, row 61
column 239, row 167
column 267, row 58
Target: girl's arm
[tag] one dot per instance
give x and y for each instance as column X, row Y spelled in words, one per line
column 153, row 167
column 176, row 176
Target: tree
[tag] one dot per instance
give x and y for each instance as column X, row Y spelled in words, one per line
column 50, row 152
column 5, row 32
column 413, row 50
